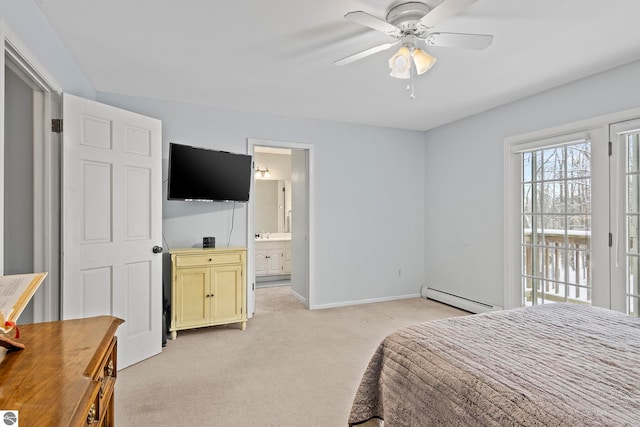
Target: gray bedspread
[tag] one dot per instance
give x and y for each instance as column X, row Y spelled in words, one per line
column 550, row 365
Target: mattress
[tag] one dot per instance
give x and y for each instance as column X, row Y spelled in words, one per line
column 554, row 364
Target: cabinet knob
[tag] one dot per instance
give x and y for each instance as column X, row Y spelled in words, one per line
column 108, row 370
column 91, row 416
column 210, row 260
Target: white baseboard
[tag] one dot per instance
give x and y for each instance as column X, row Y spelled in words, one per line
column 298, row 296
column 363, row 301
column 460, row 302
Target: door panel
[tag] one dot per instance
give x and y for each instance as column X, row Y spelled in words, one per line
column 112, row 218
column 95, row 216
column 227, row 293
column 192, row 287
column 625, row 214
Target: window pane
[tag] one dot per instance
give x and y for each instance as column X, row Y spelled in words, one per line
column 579, row 160
column 556, row 225
column 633, row 276
column 527, row 166
column 553, row 200
column 553, row 161
column 579, row 223
column 633, row 201
column 553, row 224
column 538, row 166
column 634, row 309
column 527, row 198
column 633, row 154
column 579, row 196
column 578, row 231
column 632, row 234
column 538, row 297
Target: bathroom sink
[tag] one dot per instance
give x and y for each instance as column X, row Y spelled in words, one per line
column 270, row 237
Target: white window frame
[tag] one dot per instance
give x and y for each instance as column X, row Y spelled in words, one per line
column 598, row 130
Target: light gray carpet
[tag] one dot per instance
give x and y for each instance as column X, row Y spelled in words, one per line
column 290, row 367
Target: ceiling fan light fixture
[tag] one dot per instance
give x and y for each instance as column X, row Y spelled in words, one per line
column 400, row 63
column 423, row 60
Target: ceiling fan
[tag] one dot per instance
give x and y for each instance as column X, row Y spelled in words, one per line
column 412, row 24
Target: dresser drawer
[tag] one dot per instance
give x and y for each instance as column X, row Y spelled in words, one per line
column 208, row 259
column 105, row 377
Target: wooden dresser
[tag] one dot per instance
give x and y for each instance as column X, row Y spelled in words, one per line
column 66, row 374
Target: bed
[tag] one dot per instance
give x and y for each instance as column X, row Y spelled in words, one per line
column 548, row 365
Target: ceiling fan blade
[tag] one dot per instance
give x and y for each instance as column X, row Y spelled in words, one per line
column 371, row 21
column 356, row 56
column 443, row 11
column 464, row 41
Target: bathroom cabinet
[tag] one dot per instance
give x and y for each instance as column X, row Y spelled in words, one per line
column 273, row 258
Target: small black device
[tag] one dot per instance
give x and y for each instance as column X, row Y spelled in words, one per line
column 208, row 242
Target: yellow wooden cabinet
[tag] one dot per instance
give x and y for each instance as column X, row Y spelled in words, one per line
column 208, row 288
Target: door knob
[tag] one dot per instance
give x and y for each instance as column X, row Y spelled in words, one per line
column 157, row 249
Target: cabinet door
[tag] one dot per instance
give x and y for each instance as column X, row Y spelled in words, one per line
column 287, row 258
column 228, row 295
column 274, row 261
column 261, row 262
column 192, row 290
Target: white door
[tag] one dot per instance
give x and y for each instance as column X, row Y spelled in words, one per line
column 625, row 214
column 112, row 218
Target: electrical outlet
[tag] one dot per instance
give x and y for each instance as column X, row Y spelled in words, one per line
column 399, row 272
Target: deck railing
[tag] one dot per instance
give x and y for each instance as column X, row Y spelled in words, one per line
column 563, row 260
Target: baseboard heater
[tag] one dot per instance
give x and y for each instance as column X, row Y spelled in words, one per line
column 458, row 301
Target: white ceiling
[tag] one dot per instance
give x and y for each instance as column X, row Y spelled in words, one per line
column 277, row 56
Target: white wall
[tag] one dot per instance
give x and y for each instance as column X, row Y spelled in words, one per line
column 279, row 165
column 464, row 178
column 369, row 194
column 26, row 20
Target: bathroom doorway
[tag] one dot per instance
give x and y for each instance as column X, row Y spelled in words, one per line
column 279, row 220
column 273, row 214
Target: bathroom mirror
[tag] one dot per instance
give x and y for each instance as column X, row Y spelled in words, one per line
column 273, row 206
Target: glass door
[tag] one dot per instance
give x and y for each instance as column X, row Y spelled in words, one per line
column 556, row 224
column 625, row 188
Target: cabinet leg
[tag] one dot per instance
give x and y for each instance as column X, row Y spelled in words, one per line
column 243, row 326
column 174, row 335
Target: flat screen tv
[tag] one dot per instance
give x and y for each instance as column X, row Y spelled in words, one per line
column 208, row 175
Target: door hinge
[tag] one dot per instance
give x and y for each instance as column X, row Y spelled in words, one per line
column 610, row 240
column 56, row 125
column 610, row 148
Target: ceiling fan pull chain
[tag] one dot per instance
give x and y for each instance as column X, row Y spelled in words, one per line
column 411, row 86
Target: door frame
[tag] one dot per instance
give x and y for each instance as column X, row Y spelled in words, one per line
column 251, row 276
column 47, row 102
